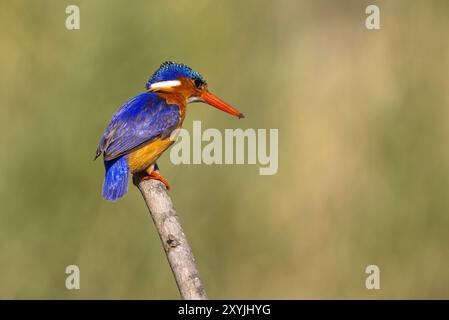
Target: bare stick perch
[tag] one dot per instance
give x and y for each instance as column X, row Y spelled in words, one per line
column 174, row 241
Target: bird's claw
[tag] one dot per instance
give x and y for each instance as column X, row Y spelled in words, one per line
column 156, row 176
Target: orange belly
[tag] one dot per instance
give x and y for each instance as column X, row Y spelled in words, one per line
column 142, row 158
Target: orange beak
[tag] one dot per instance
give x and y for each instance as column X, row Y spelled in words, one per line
column 216, row 102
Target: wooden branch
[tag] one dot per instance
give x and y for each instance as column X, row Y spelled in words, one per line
column 174, row 241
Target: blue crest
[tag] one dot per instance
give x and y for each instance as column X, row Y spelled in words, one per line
column 171, row 71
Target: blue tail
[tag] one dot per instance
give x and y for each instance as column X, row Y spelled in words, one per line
column 115, row 183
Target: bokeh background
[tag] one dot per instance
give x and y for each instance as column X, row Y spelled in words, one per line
column 363, row 157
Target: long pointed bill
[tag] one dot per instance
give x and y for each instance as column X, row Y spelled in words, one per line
column 216, row 102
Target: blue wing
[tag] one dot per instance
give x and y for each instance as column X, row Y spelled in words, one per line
column 139, row 121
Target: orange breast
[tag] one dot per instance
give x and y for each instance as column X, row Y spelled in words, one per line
column 142, row 158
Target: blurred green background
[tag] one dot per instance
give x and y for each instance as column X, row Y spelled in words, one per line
column 363, row 159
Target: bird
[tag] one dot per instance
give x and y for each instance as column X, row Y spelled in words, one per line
column 139, row 131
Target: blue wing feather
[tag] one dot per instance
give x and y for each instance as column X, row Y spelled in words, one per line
column 139, row 121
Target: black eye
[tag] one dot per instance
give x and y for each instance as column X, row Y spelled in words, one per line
column 198, row 83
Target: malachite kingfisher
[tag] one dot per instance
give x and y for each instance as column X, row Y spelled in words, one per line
column 140, row 130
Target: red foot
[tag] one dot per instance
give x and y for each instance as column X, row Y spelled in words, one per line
column 157, row 176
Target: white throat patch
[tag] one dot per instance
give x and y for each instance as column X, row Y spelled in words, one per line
column 194, row 99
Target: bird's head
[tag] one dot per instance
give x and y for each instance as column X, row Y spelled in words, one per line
column 178, row 78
